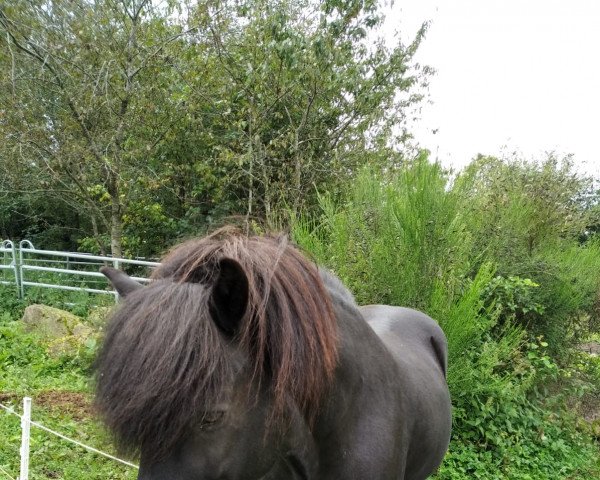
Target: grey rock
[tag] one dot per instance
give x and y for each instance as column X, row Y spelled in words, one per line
column 61, row 332
column 49, row 322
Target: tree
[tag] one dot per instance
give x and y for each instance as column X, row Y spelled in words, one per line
column 76, row 95
column 311, row 93
column 150, row 121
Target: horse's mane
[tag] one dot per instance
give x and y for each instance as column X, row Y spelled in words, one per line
column 164, row 362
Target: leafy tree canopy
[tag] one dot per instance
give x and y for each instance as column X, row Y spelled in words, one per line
column 150, row 121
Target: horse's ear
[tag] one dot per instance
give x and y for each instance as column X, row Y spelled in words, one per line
column 229, row 296
column 120, row 281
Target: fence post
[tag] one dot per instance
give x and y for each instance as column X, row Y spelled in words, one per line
column 116, row 264
column 25, row 435
column 23, row 245
column 16, row 268
column 14, row 262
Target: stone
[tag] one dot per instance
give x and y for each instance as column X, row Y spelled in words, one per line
column 82, row 332
column 61, row 332
column 49, row 322
column 98, row 316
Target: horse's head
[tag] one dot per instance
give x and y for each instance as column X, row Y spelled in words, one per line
column 207, row 371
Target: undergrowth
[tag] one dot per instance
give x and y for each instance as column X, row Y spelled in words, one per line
column 61, row 392
column 508, row 298
column 526, row 433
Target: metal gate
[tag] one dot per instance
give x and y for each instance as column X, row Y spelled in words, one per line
column 27, row 266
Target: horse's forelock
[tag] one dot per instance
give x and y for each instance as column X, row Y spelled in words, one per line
column 290, row 329
column 162, row 363
column 288, row 333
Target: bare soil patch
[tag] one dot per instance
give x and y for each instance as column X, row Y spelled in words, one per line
column 7, row 397
column 76, row 405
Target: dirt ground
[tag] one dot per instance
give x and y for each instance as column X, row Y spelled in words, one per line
column 77, row 405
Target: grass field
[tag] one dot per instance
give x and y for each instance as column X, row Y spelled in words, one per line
column 60, row 389
column 522, row 441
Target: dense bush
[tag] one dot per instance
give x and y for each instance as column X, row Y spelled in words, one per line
column 528, row 219
column 505, row 276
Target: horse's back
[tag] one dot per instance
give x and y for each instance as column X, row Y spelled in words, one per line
column 419, row 347
column 403, row 328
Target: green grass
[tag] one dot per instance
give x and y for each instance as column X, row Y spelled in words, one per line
column 61, row 393
column 52, row 457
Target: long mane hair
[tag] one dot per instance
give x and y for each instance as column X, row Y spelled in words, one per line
column 164, row 362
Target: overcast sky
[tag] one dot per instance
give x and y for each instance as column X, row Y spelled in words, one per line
column 512, row 75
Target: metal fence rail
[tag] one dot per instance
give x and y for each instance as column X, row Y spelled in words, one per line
column 26, row 266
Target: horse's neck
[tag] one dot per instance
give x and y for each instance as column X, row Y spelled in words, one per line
column 361, row 399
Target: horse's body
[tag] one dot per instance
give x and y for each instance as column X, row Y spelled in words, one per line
column 418, row 347
column 390, row 415
column 381, row 408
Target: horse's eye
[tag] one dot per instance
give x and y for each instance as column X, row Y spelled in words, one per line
column 211, row 418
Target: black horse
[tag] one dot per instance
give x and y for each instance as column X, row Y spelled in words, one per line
column 243, row 360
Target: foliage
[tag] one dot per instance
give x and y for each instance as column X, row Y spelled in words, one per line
column 522, row 441
column 511, row 435
column 76, row 93
column 410, row 237
column 402, row 240
column 513, row 296
column 394, row 240
column 41, row 220
column 517, row 208
column 527, row 219
column 27, row 370
column 570, row 294
column 148, row 123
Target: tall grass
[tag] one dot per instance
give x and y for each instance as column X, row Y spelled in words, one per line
column 402, row 240
column 394, row 239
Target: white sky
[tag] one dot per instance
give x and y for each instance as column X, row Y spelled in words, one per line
column 512, row 75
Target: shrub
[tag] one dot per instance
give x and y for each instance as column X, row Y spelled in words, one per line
column 527, row 219
column 401, row 239
column 411, row 237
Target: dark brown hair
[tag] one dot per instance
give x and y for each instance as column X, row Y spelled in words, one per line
column 163, row 360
